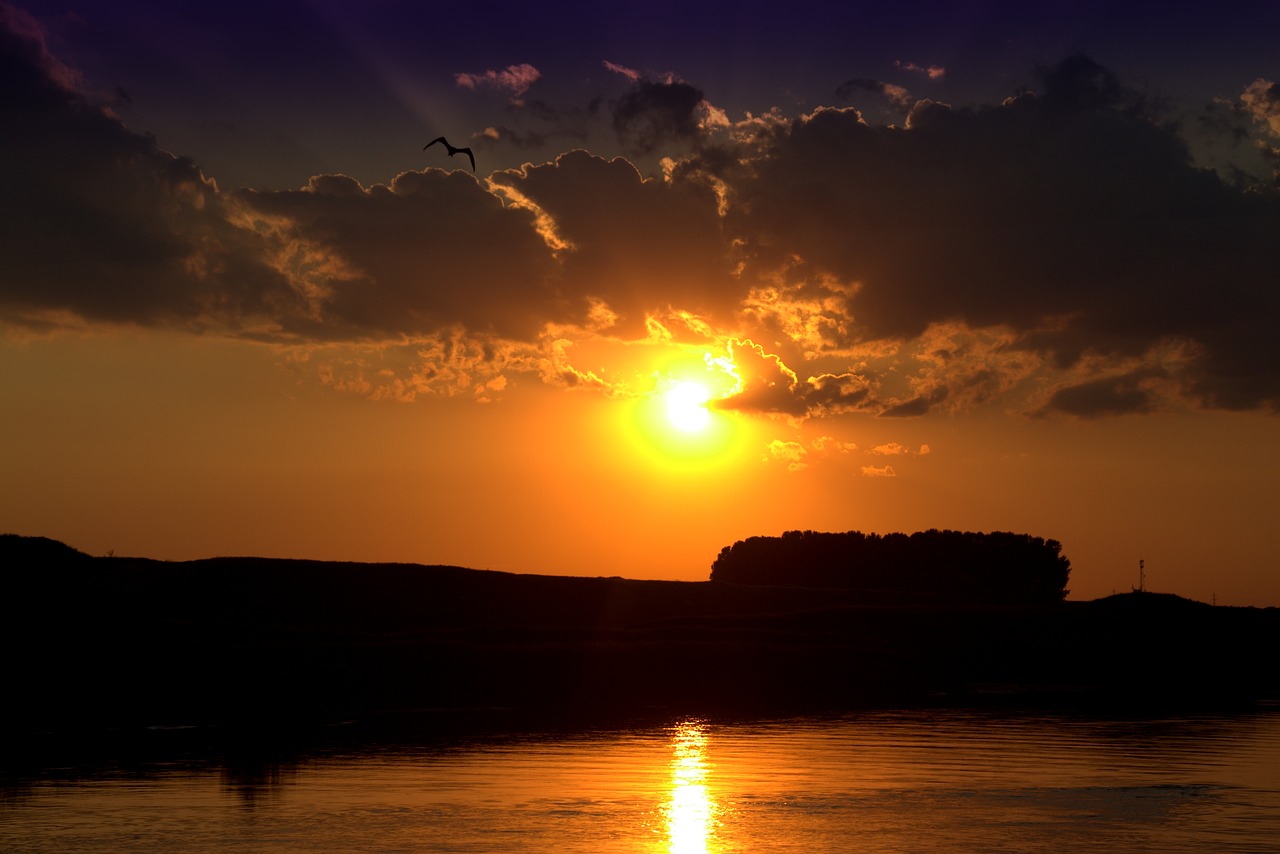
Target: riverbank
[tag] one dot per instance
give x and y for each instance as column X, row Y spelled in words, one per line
column 131, row 641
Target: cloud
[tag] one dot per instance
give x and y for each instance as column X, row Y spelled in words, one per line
column 652, row 115
column 639, row 246
column 1059, row 252
column 1072, row 222
column 450, row 364
column 36, row 67
column 791, row 453
column 897, row 95
column 102, row 224
column 959, row 368
column 878, row 471
column 1262, row 99
column 767, row 385
column 1261, row 102
column 431, row 251
column 1108, row 396
column 897, row 449
column 515, row 79
column 829, row 444
column 913, row 407
column 629, row 73
column 799, row 455
column 933, row 72
column 519, row 139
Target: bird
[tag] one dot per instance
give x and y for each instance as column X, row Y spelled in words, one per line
column 452, row 150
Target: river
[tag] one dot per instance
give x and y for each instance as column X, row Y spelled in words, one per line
column 885, row 781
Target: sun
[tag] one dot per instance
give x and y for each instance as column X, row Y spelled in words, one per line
column 677, row 421
column 686, row 406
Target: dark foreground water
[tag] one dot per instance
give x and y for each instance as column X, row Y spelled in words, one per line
column 927, row 781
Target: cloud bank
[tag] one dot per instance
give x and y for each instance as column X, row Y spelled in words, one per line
column 1060, row 252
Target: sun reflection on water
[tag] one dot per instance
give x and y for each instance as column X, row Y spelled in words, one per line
column 691, row 811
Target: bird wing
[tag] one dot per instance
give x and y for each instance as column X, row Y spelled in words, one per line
column 472, row 156
column 434, row 141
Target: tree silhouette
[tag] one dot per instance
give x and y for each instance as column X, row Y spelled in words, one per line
column 994, row 568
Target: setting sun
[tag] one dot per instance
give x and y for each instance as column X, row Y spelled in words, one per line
column 687, row 406
column 675, row 422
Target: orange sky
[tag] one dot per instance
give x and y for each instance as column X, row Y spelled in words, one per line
column 918, row 293
column 177, row 447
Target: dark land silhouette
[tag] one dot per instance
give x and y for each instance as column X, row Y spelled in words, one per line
column 106, row 641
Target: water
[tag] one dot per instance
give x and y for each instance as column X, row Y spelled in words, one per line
column 927, row 781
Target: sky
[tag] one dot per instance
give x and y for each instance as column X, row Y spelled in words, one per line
column 721, row 270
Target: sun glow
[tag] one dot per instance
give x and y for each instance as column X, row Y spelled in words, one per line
column 687, row 406
column 676, row 422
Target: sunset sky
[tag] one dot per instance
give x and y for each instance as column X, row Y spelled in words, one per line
column 722, row 270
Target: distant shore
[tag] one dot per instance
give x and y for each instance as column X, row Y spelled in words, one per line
column 132, row 641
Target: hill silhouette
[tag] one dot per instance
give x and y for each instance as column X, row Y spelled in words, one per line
column 98, row 641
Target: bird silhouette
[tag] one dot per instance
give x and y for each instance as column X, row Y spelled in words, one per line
column 452, row 150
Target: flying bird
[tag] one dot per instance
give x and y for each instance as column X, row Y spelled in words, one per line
column 452, row 150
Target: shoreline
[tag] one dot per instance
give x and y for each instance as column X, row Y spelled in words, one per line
column 136, row 642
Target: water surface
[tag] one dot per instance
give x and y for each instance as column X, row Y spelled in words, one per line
column 937, row 781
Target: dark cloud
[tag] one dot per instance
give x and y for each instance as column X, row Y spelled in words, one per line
column 429, row 252
column 501, row 134
column 539, row 123
column 1122, row 395
column 768, row 385
column 916, row 406
column 650, row 115
column 896, row 94
column 102, row 224
column 641, row 245
column 1072, row 217
column 99, row 222
column 1078, row 83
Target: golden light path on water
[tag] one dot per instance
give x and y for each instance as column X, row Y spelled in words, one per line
column 691, row 812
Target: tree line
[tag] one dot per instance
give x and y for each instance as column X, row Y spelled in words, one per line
column 952, row 566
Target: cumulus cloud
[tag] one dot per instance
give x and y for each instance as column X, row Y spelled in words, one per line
column 800, row 455
column 878, row 471
column 1072, row 220
column 790, row 453
column 831, row 445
